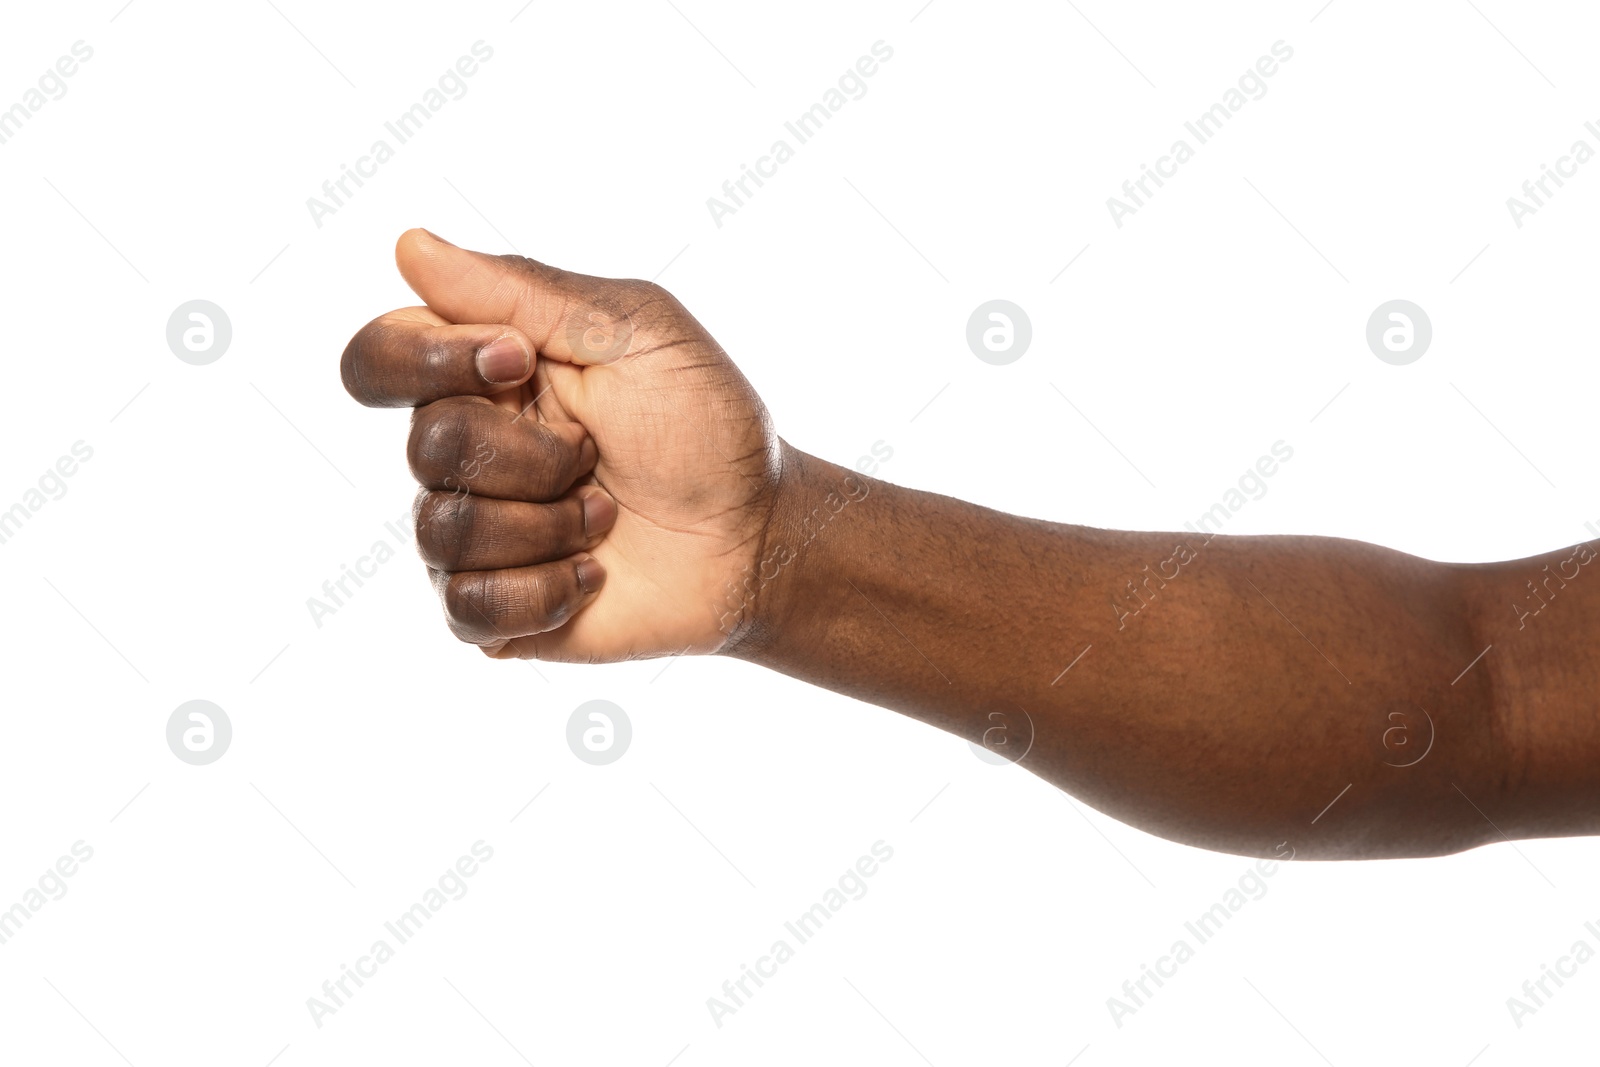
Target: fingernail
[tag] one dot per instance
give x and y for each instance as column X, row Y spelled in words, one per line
column 436, row 237
column 503, row 361
column 599, row 512
column 591, row 575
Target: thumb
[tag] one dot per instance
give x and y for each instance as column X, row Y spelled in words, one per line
column 570, row 317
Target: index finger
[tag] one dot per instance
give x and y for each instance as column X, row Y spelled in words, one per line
column 412, row 357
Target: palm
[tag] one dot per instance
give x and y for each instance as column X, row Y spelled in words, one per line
column 687, row 451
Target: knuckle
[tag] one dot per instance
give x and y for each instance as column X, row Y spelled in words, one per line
column 468, row 603
column 536, row 271
column 445, row 523
column 552, row 596
column 650, row 298
column 550, row 460
column 439, row 359
column 357, row 366
column 440, row 433
column 638, row 290
column 652, row 312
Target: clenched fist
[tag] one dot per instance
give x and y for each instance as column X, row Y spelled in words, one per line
column 597, row 476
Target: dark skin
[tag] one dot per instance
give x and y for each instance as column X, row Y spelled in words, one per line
column 616, row 490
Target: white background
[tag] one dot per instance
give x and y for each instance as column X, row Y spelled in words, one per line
column 368, row 754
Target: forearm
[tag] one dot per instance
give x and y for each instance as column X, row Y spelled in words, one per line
column 1224, row 699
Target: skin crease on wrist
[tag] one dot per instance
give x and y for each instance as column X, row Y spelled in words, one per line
column 628, row 497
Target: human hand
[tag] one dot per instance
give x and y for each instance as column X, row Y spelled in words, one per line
column 672, row 455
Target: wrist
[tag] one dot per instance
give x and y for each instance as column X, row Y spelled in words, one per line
column 800, row 545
